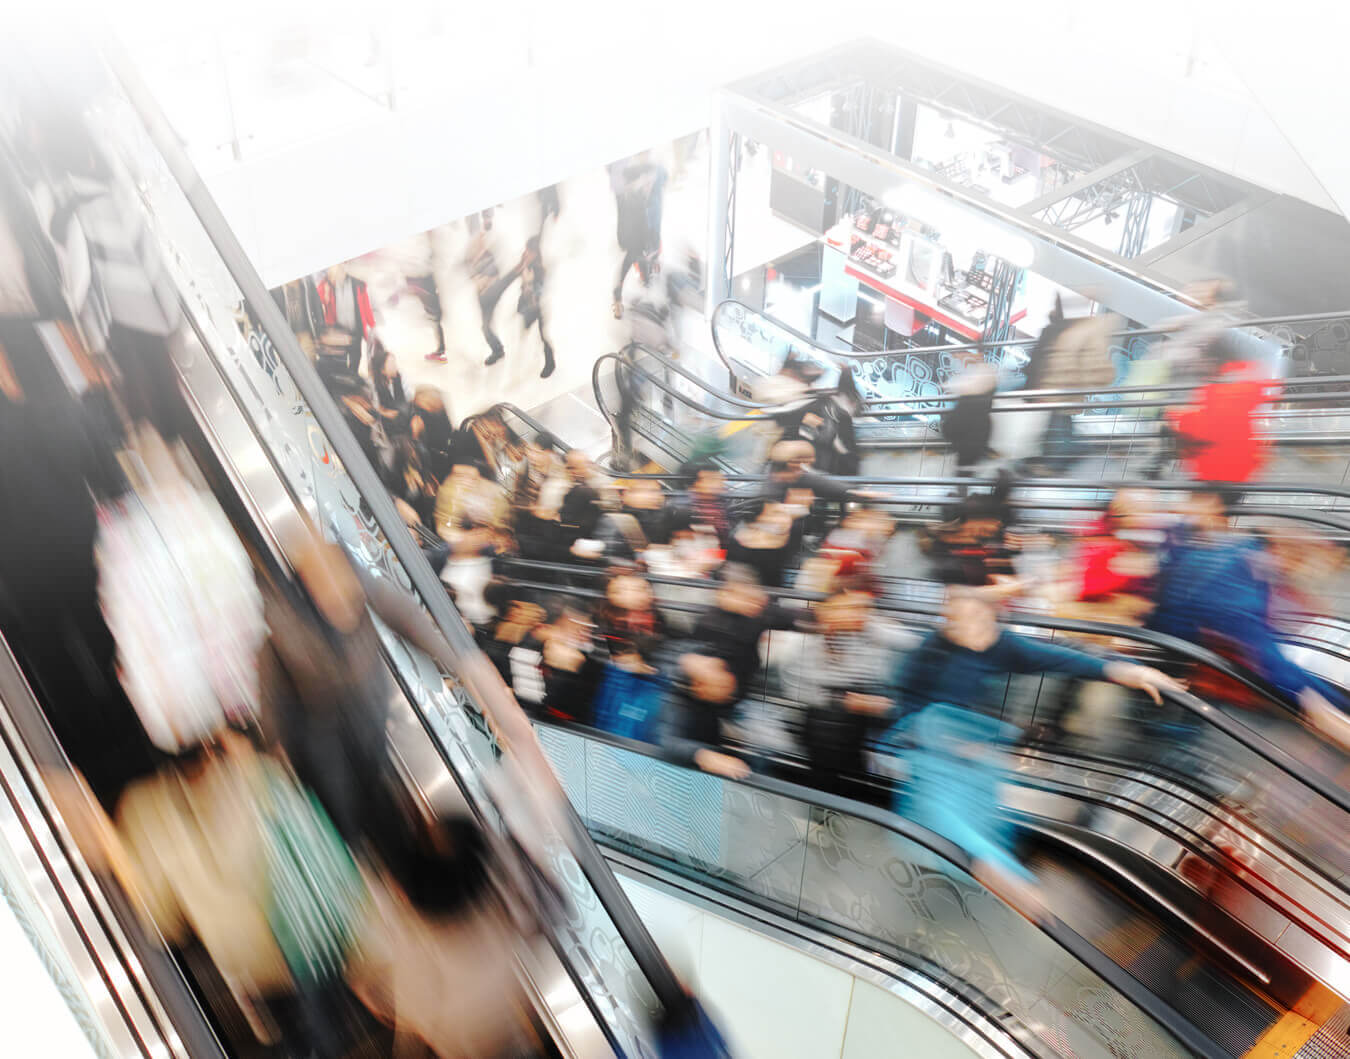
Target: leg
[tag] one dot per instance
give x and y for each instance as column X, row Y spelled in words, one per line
column 549, row 364
column 630, row 258
column 354, row 356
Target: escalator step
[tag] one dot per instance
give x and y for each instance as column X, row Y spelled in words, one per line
column 1332, row 1041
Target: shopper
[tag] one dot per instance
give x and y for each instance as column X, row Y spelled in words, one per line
column 344, row 307
column 639, row 201
column 839, row 676
column 530, row 305
column 733, row 627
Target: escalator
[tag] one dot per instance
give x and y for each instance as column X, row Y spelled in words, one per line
column 863, row 884
column 898, row 897
column 903, row 400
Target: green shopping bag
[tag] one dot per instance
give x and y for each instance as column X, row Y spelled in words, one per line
column 316, row 896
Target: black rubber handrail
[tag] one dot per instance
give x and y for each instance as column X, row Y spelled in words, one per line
column 1098, row 485
column 1253, row 741
column 1236, row 325
column 937, row 405
column 648, row 957
column 1064, row 936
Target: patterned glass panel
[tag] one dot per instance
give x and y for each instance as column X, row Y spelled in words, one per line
column 820, row 866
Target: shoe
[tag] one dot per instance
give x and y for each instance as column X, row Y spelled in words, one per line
column 618, row 309
column 548, row 364
column 497, row 355
column 438, row 356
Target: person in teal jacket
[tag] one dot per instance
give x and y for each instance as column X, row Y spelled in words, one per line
column 952, row 743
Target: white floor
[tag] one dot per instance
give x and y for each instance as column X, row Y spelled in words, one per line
column 582, row 257
column 774, row 1002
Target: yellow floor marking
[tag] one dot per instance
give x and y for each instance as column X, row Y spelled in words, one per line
column 1295, row 1028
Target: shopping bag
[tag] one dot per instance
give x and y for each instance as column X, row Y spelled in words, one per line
column 316, row 896
column 629, row 704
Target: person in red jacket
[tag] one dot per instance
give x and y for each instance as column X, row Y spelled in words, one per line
column 1216, row 434
column 344, row 307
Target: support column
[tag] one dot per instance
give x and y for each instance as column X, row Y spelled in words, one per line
column 998, row 320
column 1135, row 229
column 723, row 161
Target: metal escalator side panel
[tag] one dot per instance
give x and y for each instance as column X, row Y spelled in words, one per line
column 123, row 990
column 840, row 872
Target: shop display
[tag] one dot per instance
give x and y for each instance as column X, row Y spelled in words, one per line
column 909, row 261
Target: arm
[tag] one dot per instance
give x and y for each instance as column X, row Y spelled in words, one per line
column 363, row 309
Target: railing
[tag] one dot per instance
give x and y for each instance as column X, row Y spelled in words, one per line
column 773, row 844
column 608, row 951
column 925, row 371
column 1314, row 504
column 668, row 406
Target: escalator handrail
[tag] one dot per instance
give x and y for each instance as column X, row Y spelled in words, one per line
column 1253, row 741
column 1260, row 322
column 1056, row 929
column 1087, row 484
column 649, row 959
column 169, row 989
column 927, row 406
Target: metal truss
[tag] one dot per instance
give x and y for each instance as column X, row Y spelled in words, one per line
column 998, row 319
column 1135, row 229
column 1120, row 190
column 729, row 244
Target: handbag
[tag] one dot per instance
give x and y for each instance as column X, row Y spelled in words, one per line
column 629, row 704
column 316, row 897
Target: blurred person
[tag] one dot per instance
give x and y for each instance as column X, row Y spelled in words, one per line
column 791, row 466
column 1216, row 588
column 390, row 400
column 105, row 258
column 628, row 613
column 410, row 483
column 701, row 701
column 948, row 692
column 629, row 699
column 852, row 553
column 733, row 627
column 489, row 283
column 348, row 320
column 706, row 499
column 1109, row 579
column 438, row 960
column 639, row 203
column 50, row 611
column 572, row 664
column 1194, row 340
column 355, row 402
column 1216, row 435
column 967, row 426
column 976, row 546
column 536, row 503
column 471, row 515
column 417, row 264
column 841, row 676
column 497, row 451
column 640, row 522
column 581, row 509
column 430, row 425
column 764, row 541
column 1070, row 354
column 519, row 616
column 530, row 304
